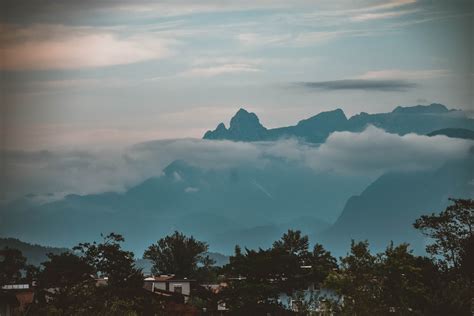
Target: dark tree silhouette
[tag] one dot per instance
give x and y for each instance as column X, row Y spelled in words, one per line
column 12, row 263
column 177, row 254
column 449, row 230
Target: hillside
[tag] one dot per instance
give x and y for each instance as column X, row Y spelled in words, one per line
column 35, row 254
column 386, row 210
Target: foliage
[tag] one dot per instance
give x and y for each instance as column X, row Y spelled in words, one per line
column 12, row 263
column 288, row 267
column 64, row 270
column 67, row 283
column 178, row 254
column 396, row 281
column 393, row 282
column 452, row 248
column 109, row 260
column 449, row 230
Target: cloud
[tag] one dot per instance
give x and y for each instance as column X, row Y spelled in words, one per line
column 398, row 74
column 71, row 11
column 58, row 47
column 216, row 70
column 254, row 39
column 376, row 151
column 368, row 154
column 359, row 84
column 381, row 15
column 378, row 80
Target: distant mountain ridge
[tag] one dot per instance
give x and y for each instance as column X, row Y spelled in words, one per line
column 212, row 205
column 419, row 119
column 454, row 133
column 34, row 254
column 386, row 210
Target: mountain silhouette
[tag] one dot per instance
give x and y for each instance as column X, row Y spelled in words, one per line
column 253, row 205
column 386, row 210
column 420, row 119
column 454, row 133
column 208, row 203
column 244, row 126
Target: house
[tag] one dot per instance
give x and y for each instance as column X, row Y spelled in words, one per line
column 169, row 284
column 15, row 298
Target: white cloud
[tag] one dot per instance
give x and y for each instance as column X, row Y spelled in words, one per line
column 392, row 4
column 380, row 15
column 216, row 70
column 370, row 153
column 394, row 74
column 376, row 151
column 191, row 190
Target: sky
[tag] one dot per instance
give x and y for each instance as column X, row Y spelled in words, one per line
column 100, row 73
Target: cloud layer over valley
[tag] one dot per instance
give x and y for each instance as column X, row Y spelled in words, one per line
column 52, row 174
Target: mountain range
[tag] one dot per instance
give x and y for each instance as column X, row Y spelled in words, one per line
column 246, row 205
column 253, row 205
column 419, row 119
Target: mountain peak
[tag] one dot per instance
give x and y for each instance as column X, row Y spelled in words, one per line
column 421, row 109
column 221, row 127
column 336, row 116
column 242, row 111
column 246, row 126
column 243, row 118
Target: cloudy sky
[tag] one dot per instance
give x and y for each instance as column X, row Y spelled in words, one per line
column 119, row 72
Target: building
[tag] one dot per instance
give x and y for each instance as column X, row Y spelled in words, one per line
column 15, row 298
column 169, row 285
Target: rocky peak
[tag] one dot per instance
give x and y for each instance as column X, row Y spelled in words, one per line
column 244, row 119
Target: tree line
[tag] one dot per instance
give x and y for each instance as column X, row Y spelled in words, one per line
column 392, row 282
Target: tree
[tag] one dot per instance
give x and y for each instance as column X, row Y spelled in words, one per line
column 449, row 230
column 64, row 270
column 322, row 263
column 68, row 286
column 253, row 280
column 452, row 236
column 392, row 282
column 12, row 263
column 401, row 280
column 293, row 243
column 177, row 254
column 356, row 282
column 260, row 276
column 109, row 260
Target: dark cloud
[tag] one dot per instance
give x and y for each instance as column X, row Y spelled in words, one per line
column 44, row 11
column 359, row 84
column 69, row 12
